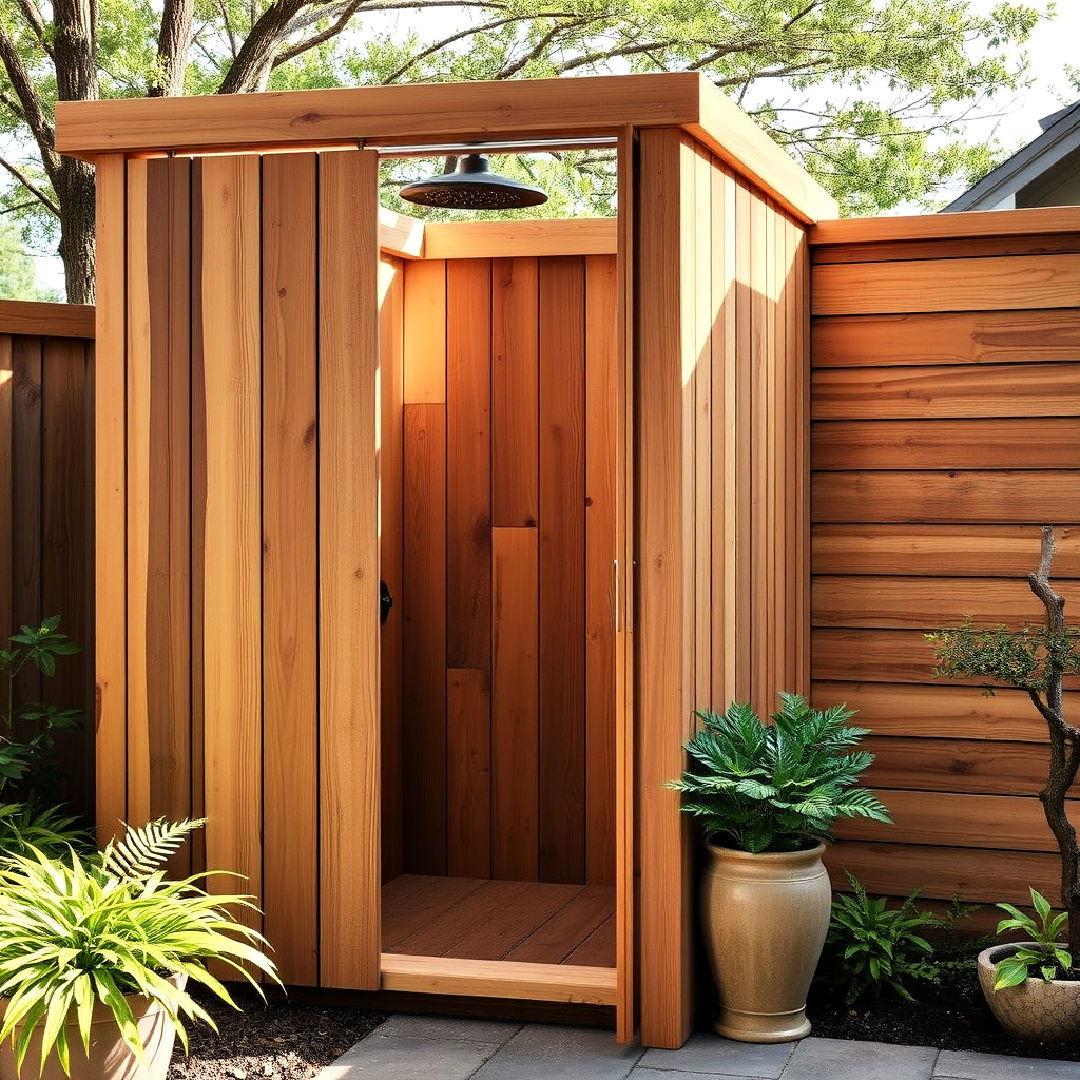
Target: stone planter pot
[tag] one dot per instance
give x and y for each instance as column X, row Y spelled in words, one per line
column 764, row 918
column 110, row 1057
column 1035, row 1009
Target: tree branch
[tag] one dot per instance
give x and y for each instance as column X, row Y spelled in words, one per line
column 174, row 41
column 510, row 70
column 256, row 54
column 37, row 24
column 438, row 46
column 38, row 193
column 315, row 40
column 29, row 102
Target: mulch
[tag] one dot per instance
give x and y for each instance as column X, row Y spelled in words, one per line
column 278, row 1040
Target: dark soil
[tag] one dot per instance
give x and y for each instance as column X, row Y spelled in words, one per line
column 954, row 1017
column 276, row 1041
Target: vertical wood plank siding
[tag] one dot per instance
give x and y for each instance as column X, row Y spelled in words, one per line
column 248, row 687
column 508, row 542
column 721, row 317
column 945, row 432
column 46, row 524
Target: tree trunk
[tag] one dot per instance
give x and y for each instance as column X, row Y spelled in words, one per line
column 77, row 212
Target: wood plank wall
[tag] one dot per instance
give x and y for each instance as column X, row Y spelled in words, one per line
column 244, row 468
column 46, row 510
column 498, row 692
column 722, row 318
column 946, row 430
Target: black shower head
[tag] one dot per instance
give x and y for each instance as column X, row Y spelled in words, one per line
column 473, row 187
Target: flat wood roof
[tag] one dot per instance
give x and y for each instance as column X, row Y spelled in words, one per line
column 408, row 115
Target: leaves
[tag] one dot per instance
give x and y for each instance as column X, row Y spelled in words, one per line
column 872, row 947
column 1048, row 956
column 778, row 786
column 75, row 931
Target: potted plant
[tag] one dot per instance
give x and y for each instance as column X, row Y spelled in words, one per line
column 1035, row 659
column 767, row 796
column 96, row 954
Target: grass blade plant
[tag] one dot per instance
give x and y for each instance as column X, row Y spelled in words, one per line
column 75, row 932
column 776, row 787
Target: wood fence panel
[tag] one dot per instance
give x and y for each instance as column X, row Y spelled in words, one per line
column 946, row 379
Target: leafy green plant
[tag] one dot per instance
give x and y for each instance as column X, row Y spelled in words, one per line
column 76, row 931
column 779, row 786
column 873, row 947
column 25, row 828
column 28, row 731
column 1048, row 956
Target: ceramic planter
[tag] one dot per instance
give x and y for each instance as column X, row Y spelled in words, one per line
column 765, row 918
column 110, row 1058
column 1035, row 1009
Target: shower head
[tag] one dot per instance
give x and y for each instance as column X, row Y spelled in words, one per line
column 472, row 186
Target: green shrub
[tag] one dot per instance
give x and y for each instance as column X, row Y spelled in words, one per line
column 75, row 931
column 1049, row 957
column 25, row 828
column 872, row 947
column 780, row 786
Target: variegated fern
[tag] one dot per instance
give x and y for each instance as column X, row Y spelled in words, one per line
column 78, row 931
column 779, row 786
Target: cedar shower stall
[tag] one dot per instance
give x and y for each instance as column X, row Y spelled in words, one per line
column 568, row 448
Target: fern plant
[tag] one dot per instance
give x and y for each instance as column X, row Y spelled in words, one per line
column 872, row 947
column 776, row 787
column 75, row 932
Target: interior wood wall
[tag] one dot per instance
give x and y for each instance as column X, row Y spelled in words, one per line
column 946, row 430
column 721, row 304
column 498, row 520
column 236, row 479
column 46, row 513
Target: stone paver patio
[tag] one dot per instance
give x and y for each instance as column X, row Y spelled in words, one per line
column 428, row 1048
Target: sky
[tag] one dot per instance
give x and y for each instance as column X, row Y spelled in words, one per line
column 1014, row 120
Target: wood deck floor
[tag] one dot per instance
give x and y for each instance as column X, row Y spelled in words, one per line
column 525, row 921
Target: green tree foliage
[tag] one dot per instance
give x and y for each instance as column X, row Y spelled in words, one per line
column 870, row 94
column 18, row 279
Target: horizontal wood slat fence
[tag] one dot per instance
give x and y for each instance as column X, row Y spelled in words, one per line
column 46, row 524
column 945, row 424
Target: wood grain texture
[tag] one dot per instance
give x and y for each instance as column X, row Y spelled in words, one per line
column 982, row 284
column 562, row 578
column 515, row 495
column 468, row 772
column 924, row 393
column 349, row 766
column 964, row 248
column 468, row 463
column 231, row 540
column 7, row 502
column 507, row 239
column 960, row 337
column 1043, row 443
column 909, row 496
column 940, row 550
column 423, row 608
column 289, row 569
column 425, row 332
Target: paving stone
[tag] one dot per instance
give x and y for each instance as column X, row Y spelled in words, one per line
column 838, row 1059
column 713, row 1056
column 964, row 1065
column 677, row 1074
column 442, row 1027
column 397, row 1057
column 543, row 1052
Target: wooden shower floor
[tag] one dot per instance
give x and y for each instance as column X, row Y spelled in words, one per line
column 526, row 921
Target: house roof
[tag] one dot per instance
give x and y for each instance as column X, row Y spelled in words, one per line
column 1060, row 137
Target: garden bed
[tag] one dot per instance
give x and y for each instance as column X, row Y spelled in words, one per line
column 954, row 1017
column 278, row 1040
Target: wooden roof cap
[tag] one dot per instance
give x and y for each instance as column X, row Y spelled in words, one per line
column 385, row 116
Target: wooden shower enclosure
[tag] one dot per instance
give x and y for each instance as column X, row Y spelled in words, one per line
column 567, row 447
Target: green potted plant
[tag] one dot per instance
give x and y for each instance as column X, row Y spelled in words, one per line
column 1036, row 660
column 96, row 954
column 767, row 796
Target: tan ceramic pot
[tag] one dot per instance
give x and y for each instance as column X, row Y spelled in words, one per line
column 1035, row 1009
column 110, row 1058
column 765, row 918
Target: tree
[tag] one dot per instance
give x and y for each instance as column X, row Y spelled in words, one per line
column 18, row 281
column 1036, row 659
column 870, row 94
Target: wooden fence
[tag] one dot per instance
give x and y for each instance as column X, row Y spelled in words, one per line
column 46, row 529
column 946, row 430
